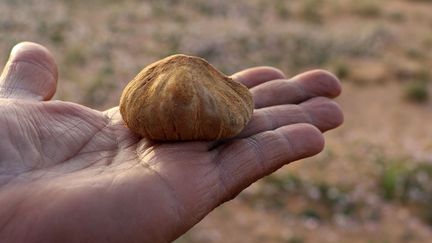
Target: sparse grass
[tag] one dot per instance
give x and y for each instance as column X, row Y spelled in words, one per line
column 397, row 16
column 311, row 213
column 322, row 201
column 402, row 181
column 341, row 70
column 417, row 91
column 55, row 31
column 367, row 8
column 99, row 87
column 209, row 8
column 415, row 53
column 75, row 56
column 295, row 239
column 281, row 9
column 310, row 10
column 392, row 180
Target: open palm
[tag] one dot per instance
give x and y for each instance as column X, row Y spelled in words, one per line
column 69, row 173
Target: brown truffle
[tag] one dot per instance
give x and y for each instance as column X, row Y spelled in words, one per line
column 185, row 98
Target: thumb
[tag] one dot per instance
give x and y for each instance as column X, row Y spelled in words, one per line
column 30, row 73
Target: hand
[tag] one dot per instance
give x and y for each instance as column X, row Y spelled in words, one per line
column 69, row 173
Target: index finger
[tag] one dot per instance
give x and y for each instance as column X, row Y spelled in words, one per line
column 252, row 77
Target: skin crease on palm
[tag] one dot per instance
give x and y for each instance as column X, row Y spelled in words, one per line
column 69, row 173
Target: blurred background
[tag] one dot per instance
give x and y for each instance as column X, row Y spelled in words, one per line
column 373, row 181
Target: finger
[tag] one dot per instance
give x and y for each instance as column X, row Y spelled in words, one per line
column 254, row 76
column 323, row 113
column 30, row 73
column 296, row 90
column 247, row 160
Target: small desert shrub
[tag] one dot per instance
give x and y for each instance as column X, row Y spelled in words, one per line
column 54, row 31
column 311, row 213
column 392, row 179
column 397, row 17
column 341, row 70
column 414, row 53
column 322, row 200
column 417, row 91
column 101, row 85
column 409, row 183
column 282, row 9
column 367, row 8
column 310, row 11
column 75, row 56
column 296, row 239
column 402, row 181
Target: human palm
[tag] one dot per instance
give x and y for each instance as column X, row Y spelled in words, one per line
column 69, row 173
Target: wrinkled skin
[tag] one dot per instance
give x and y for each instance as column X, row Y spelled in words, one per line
column 69, row 173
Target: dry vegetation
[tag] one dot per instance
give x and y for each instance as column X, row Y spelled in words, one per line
column 373, row 182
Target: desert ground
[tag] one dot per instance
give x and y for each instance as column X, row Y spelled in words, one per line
column 373, row 181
